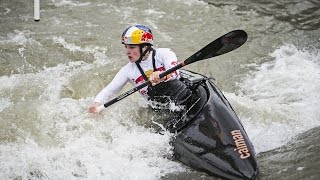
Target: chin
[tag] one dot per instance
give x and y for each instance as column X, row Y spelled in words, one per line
column 132, row 60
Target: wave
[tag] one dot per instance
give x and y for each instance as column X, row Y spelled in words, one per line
column 281, row 98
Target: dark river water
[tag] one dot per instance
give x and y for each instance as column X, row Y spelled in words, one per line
column 51, row 70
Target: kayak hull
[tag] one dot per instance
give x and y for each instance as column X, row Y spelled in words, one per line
column 214, row 141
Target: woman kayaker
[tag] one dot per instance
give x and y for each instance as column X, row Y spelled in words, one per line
column 146, row 63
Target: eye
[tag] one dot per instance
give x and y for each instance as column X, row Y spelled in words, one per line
column 130, row 46
column 133, row 47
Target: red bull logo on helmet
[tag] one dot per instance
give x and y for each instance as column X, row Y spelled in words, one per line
column 146, row 37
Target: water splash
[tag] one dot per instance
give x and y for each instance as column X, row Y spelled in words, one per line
column 280, row 99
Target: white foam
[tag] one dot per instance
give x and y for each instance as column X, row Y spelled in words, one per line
column 154, row 12
column 73, row 144
column 50, row 82
column 18, row 37
column 7, row 10
column 107, row 147
column 97, row 52
column 8, row 82
column 300, row 168
column 281, row 99
column 4, row 103
column 59, row 3
column 20, row 40
column 192, row 2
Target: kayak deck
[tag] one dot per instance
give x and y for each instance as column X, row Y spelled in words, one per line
column 214, row 141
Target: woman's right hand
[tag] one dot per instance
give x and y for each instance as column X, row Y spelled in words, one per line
column 94, row 108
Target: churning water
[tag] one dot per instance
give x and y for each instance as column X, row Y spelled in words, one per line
column 51, row 70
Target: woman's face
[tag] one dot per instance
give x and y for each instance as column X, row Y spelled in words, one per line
column 133, row 52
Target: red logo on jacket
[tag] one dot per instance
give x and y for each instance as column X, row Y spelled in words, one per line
column 140, row 79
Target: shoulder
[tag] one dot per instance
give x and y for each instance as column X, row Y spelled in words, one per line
column 164, row 51
column 127, row 68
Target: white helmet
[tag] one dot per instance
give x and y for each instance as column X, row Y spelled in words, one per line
column 137, row 34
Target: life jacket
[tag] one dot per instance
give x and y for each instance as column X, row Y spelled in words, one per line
column 170, row 91
column 177, row 92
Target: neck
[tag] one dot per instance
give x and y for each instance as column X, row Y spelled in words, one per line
column 145, row 57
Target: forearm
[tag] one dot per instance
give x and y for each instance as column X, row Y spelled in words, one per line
column 113, row 88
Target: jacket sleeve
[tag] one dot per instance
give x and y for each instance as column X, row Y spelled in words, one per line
column 170, row 60
column 113, row 88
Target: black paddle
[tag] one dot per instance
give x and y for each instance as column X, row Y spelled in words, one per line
column 222, row 45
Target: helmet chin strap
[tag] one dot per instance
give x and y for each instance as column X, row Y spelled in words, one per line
column 143, row 53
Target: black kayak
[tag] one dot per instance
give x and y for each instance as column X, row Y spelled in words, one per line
column 214, row 140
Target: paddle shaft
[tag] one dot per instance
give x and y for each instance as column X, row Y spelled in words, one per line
column 222, row 45
column 137, row 88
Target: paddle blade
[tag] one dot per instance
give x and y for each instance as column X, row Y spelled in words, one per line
column 222, row 45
